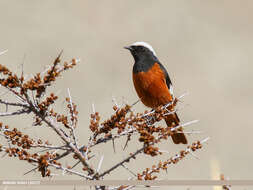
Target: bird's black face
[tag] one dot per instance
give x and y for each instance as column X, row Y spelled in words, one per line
column 140, row 52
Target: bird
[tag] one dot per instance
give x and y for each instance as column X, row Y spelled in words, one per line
column 152, row 84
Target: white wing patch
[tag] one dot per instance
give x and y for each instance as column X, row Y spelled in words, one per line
column 145, row 45
column 171, row 91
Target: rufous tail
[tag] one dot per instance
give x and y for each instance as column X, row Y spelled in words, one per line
column 173, row 120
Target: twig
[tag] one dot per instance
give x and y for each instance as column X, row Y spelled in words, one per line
column 13, row 104
column 100, row 163
column 70, row 171
column 76, row 164
column 19, row 112
column 122, row 162
column 129, row 170
column 49, row 147
column 113, row 145
column 184, row 125
column 135, row 102
column 178, row 156
column 128, row 138
column 72, row 121
column 17, row 95
column 30, row 170
column 165, row 106
column 61, row 134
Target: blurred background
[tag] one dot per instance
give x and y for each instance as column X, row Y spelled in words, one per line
column 206, row 47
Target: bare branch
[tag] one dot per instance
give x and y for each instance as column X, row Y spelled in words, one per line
column 122, row 162
column 13, row 104
column 73, row 123
column 70, row 171
column 19, row 112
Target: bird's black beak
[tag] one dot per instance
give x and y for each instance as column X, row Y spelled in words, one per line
column 128, row 47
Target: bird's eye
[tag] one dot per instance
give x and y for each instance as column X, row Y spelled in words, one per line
column 142, row 48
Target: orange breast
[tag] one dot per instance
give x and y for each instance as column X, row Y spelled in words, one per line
column 151, row 87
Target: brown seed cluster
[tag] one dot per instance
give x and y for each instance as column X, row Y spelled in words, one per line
column 61, row 118
column 10, row 80
column 43, row 160
column 39, row 84
column 16, row 137
column 143, row 123
column 21, row 146
column 117, row 120
column 147, row 174
column 43, row 106
column 43, row 164
column 52, row 73
column 151, row 150
column 72, row 108
column 94, row 122
column 4, row 70
column 21, row 153
column 34, row 84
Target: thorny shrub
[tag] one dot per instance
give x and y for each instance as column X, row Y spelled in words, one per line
column 32, row 98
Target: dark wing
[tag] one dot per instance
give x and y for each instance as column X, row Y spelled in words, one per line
column 170, row 87
column 178, row 138
column 168, row 81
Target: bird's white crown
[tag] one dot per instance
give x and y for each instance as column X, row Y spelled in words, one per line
column 144, row 44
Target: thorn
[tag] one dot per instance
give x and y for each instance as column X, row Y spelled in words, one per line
column 113, row 145
column 189, row 123
column 128, row 138
column 114, row 101
column 204, row 140
column 129, row 170
column 191, row 132
column 135, row 102
column 60, row 53
column 194, row 155
column 30, row 171
column 93, row 108
column 184, row 124
column 75, row 164
column 100, row 163
column 183, row 95
column 57, row 60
